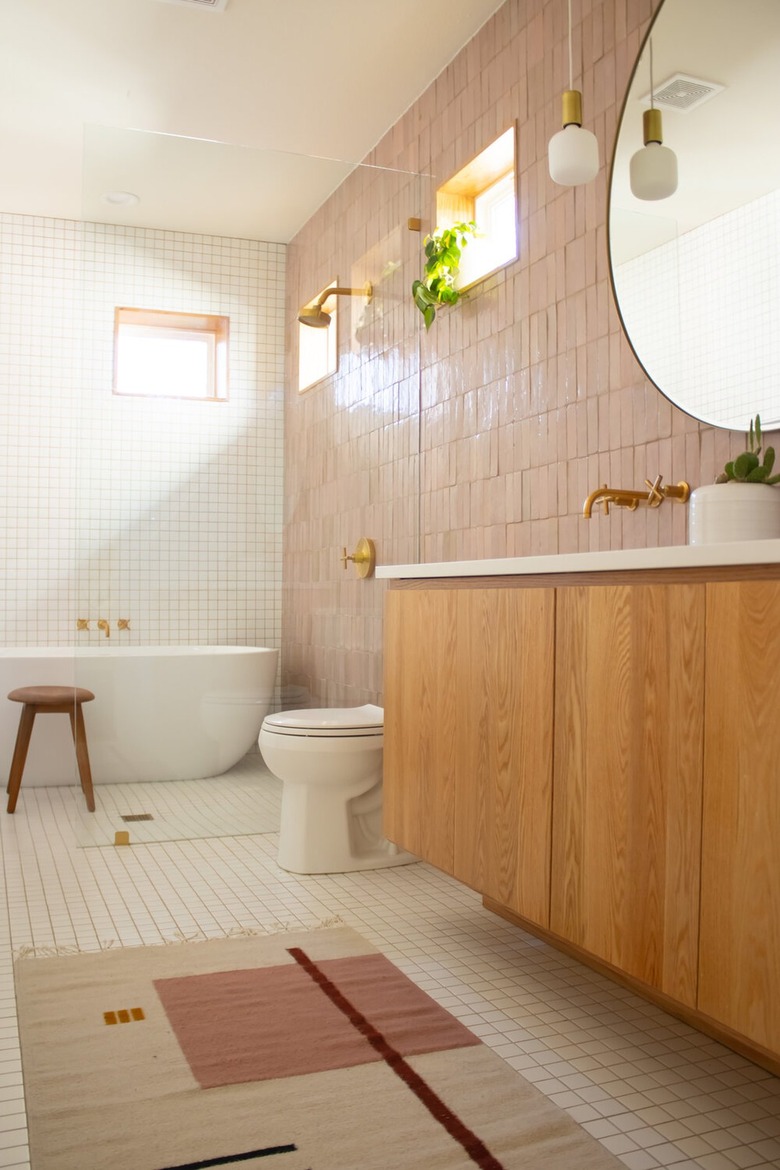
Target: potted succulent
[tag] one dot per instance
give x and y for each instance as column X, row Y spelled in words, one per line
column 742, row 503
column 443, row 251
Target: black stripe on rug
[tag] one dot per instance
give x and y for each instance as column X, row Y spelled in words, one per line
column 476, row 1150
column 228, row 1159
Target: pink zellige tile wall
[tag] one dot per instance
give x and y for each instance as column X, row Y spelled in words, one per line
column 482, row 437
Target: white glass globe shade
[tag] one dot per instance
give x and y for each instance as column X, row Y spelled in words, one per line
column 653, row 172
column 573, row 156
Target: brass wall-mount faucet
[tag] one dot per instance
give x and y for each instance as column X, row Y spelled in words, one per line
column 631, row 498
column 103, row 624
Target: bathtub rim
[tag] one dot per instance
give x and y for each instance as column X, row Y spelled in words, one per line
column 105, row 649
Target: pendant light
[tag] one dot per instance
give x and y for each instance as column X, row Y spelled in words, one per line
column 653, row 169
column 573, row 153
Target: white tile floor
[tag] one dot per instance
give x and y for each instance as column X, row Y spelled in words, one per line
column 652, row 1090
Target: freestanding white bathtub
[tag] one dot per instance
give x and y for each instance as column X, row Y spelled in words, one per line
column 159, row 713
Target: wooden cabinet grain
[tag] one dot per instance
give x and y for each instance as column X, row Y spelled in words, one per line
column 601, row 759
column 468, row 738
column 739, row 966
column 629, row 707
column 422, row 718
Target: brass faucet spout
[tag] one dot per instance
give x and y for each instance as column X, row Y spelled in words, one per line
column 105, row 627
column 601, row 495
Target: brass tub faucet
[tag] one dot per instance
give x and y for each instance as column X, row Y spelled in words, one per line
column 103, row 624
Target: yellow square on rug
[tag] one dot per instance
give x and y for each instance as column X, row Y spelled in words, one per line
column 305, row 1051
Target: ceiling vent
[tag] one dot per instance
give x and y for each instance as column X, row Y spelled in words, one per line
column 213, row 5
column 682, row 92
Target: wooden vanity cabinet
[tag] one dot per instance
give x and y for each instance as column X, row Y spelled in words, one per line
column 629, row 710
column 468, row 736
column 599, row 755
column 739, row 963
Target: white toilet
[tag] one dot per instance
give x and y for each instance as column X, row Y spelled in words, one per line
column 330, row 765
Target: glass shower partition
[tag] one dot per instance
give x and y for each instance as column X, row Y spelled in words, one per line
column 207, row 522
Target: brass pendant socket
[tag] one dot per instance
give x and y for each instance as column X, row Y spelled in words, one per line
column 572, row 108
column 652, row 124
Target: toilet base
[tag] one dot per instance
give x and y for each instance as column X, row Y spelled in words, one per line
column 321, row 835
column 382, row 857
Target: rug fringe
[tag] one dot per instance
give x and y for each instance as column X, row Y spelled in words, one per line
column 30, row 951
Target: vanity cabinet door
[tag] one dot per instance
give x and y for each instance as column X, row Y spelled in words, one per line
column 629, row 700
column 468, row 736
column 423, row 713
column 739, row 974
column 503, row 817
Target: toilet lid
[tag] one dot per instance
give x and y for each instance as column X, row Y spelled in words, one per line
column 328, row 721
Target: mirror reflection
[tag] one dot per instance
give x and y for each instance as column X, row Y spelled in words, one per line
column 697, row 274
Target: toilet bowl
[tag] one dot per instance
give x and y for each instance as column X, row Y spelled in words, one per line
column 330, row 764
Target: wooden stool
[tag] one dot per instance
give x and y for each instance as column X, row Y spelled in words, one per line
column 41, row 701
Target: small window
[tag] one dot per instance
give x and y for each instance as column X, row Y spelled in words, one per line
column 484, row 191
column 161, row 354
column 318, row 347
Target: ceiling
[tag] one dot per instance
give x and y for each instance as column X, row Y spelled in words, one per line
column 236, row 123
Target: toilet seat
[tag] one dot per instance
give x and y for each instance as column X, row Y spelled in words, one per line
column 330, row 763
column 328, row 722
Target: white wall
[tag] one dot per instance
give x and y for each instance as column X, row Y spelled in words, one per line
column 161, row 511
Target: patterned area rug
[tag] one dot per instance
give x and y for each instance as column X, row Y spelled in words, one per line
column 299, row 1051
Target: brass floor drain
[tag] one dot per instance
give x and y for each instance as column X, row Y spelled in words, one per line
column 136, row 817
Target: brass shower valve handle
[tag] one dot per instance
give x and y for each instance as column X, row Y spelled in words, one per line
column 363, row 558
column 83, row 623
column 123, row 623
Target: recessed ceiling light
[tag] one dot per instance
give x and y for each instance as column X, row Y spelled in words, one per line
column 121, row 198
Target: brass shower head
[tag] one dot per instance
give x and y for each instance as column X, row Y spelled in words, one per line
column 314, row 314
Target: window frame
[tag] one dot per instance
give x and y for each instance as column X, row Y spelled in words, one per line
column 329, row 335
column 172, row 323
column 456, row 199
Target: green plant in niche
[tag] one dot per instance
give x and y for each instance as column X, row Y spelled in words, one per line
column 443, row 250
column 747, row 468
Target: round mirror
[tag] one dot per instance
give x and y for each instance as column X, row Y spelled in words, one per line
column 696, row 274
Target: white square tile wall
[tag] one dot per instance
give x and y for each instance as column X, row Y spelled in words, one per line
column 164, row 512
column 701, row 330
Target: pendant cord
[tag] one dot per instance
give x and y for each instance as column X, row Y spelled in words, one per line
column 652, row 102
column 571, row 70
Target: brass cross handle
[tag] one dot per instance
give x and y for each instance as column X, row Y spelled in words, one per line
column 655, row 495
column 363, row 558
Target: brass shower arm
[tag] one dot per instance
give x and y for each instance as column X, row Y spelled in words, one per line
column 366, row 291
column 313, row 313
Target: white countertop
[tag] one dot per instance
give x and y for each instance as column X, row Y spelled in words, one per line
column 737, row 552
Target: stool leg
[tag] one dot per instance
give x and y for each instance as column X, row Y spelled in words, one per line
column 82, row 756
column 20, row 754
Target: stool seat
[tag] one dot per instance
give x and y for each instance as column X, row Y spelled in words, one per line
column 50, row 696
column 46, row 700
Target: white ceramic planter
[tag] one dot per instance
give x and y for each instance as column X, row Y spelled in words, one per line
column 722, row 512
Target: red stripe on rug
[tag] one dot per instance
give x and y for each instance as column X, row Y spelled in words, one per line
column 476, row 1149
